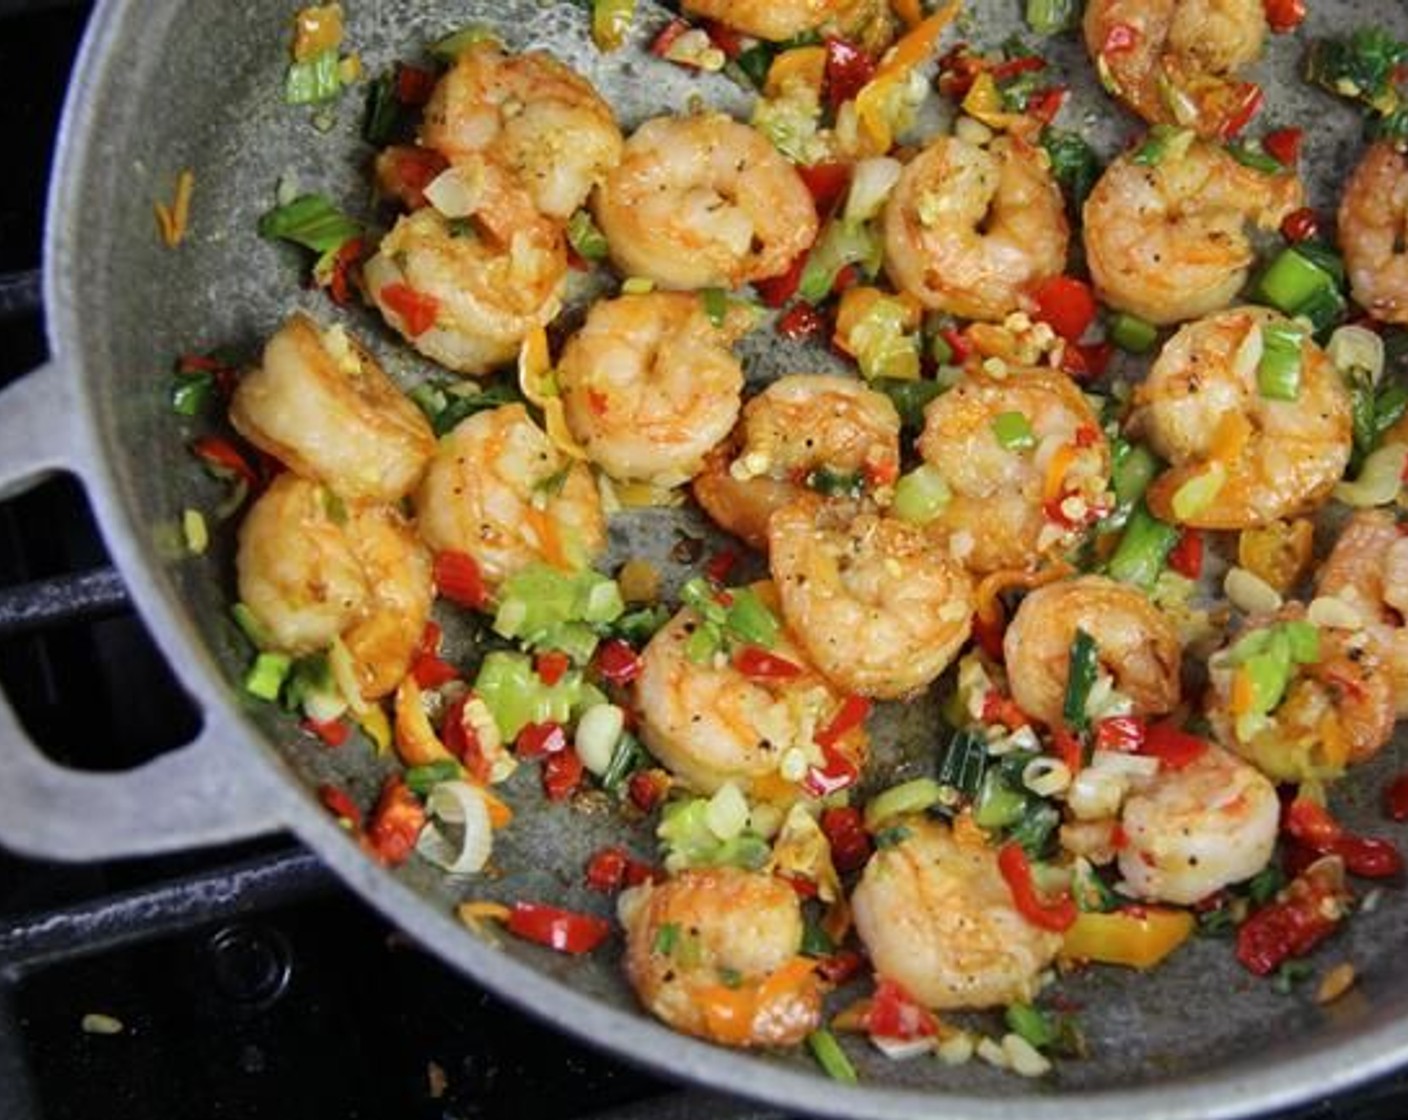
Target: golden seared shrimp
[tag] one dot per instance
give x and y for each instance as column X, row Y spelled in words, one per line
column 877, row 603
column 1368, row 569
column 1334, row 712
column 1372, row 220
column 1136, row 644
column 312, row 569
column 499, row 490
column 798, row 425
column 461, row 296
column 971, row 230
column 1201, row 408
column 721, row 720
column 1168, row 242
column 1176, row 61
column 1026, row 461
column 867, row 23
column 1192, row 831
column 936, row 917
column 650, row 385
column 716, row 953
column 703, row 201
column 530, row 113
column 320, row 403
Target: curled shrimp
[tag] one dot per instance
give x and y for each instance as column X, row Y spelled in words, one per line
column 1372, row 218
column 479, row 295
column 716, row 953
column 1176, row 61
column 499, row 490
column 650, row 385
column 1168, row 242
column 703, row 201
column 321, row 403
column 1192, row 831
column 876, row 602
column 867, row 23
column 1017, row 501
column 530, row 113
column 799, row 425
column 710, row 722
column 936, row 917
column 971, row 230
column 312, row 570
column 1201, row 409
column 1334, row 712
column 1136, row 645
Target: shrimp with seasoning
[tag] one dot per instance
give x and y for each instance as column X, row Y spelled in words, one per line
column 877, row 603
column 1175, row 61
column 499, row 490
column 703, row 201
column 972, row 230
column 312, row 570
column 650, row 386
column 1167, row 240
column 867, row 23
column 1026, row 461
column 1373, row 222
column 799, row 427
column 1137, row 647
column 1246, row 458
column 935, row 916
column 321, row 403
column 716, row 953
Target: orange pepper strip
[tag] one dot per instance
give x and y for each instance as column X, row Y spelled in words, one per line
column 909, row 52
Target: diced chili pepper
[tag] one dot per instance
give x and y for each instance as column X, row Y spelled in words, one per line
column 1252, row 100
column 958, row 343
column 1068, row 748
column 396, row 822
column 564, row 930
column 562, row 774
column 1396, row 798
column 224, row 458
column 1087, row 435
column 552, row 666
column 613, row 869
column 1045, row 104
column 662, row 43
column 774, row 291
column 1084, row 362
column 1186, row 558
column 647, row 788
column 988, row 634
column 458, row 578
column 804, row 888
column 432, row 672
column 1067, row 305
column 462, row 740
column 413, row 85
column 617, row 662
column 839, row 773
column 1312, row 825
column 894, row 1013
column 1011, row 67
column 847, row 277
column 1120, row 37
column 1300, row 225
column 1057, row 916
column 405, row 170
column 340, row 805
column 339, row 281
column 848, row 69
column 848, row 717
column 333, row 732
column 725, row 38
column 760, row 665
column 418, row 311
column 844, row 829
column 1172, row 746
column 801, row 321
column 1304, row 915
column 881, row 474
column 721, row 564
column 1284, row 15
column 840, row 966
column 539, row 739
column 598, row 402
column 1119, row 733
column 1283, row 145
column 827, row 183
column 998, row 708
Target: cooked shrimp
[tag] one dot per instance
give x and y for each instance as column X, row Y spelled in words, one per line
column 480, row 296
column 321, row 404
column 312, row 570
column 650, row 385
column 498, row 490
column 972, row 230
column 876, row 603
column 1192, row 831
column 716, row 953
column 865, row 22
column 1368, row 569
column 1176, row 61
column 1137, row 646
column 709, row 723
column 1373, row 223
column 1335, row 712
column 703, row 201
column 1168, row 242
column 798, row 425
column 530, row 113
column 1014, row 503
column 936, row 917
column 1202, row 410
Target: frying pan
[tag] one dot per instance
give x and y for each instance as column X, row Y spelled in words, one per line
column 163, row 86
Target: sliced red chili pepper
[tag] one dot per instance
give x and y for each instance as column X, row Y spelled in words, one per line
column 725, row 38
column 552, row 666
column 617, row 662
column 1046, row 103
column 1087, row 361
column 1057, row 916
column 413, row 85
column 403, row 171
column 564, row 930
column 1119, row 733
column 339, row 277
column 462, row 741
column 847, row 277
column 894, row 1013
column 1311, row 824
column 958, row 343
column 536, row 740
column 224, row 458
column 804, row 888
column 1011, row 67
column 340, row 805
column 1249, row 107
column 1120, row 37
column 562, row 774
column 827, row 183
column 1396, row 798
column 458, row 578
column 848, row 69
column 1186, row 558
column 396, row 822
column 998, row 708
column 1172, row 746
column 774, row 291
column 662, row 43
column 1305, row 914
column 1284, row 15
column 988, row 634
column 647, row 788
column 801, row 321
column 1300, row 225
column 848, row 717
column 432, row 672
column 417, row 310
column 613, row 869
column 844, row 829
column 841, row 966
column 760, row 665
column 1283, row 145
column 333, row 732
column 1069, row 748
column 721, row 564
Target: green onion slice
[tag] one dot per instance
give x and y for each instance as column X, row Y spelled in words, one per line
column 1080, row 679
column 831, row 1057
column 1013, row 431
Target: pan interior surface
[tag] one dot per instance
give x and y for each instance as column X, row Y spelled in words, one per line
column 199, row 86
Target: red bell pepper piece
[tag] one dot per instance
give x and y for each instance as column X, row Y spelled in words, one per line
column 403, row 171
column 1284, row 15
column 223, row 458
column 647, row 788
column 760, row 665
column 413, row 85
column 458, row 578
column 725, row 38
column 1186, row 558
column 341, row 806
column 1312, row 825
column 430, row 671
column 827, row 183
column 662, row 43
column 564, row 930
column 721, row 564
column 844, row 829
column 562, row 774
column 1119, row 733
column 998, row 708
column 617, row 662
column 396, row 822
column 339, row 277
column 417, row 310
column 1045, row 104
column 614, row 869
column 1056, row 916
column 840, row 966
column 848, row 717
column 333, row 732
column 1306, row 913
column 1283, row 145
column 1396, row 798
column 988, row 634
column 801, row 321
column 538, row 740
column 1172, row 746
column 894, row 1013
column 552, row 666
column 848, row 69
column 958, row 343
column 1068, row 748
column 462, row 741
column 774, row 291
column 1300, row 225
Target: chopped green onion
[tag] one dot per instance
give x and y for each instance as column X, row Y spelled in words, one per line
column 637, row 286
column 516, row 696
column 715, row 302
column 909, row 797
column 831, row 1057
column 1143, row 550
column 1323, row 257
column 910, row 398
column 701, row 645
column 1033, row 1025
column 1292, row 280
column 1278, row 372
column 611, row 22
column 195, row 530
column 1074, row 164
column 422, row 779
column 1013, row 431
column 1290, row 974
column 881, row 346
column 755, row 63
column 191, row 393
column 1266, row 884
column 1091, row 893
column 1324, row 310
column 815, row 942
column 750, row 620
column 585, row 237
column 384, row 116
column 1304, row 638
column 1132, row 334
column 1080, row 679
column 892, row 837
column 836, row 484
column 313, row 81
column 1035, row 827
column 311, row 221
column 1165, row 141
column 690, row 842
column 921, row 495
column 940, row 350
column 840, row 244
column 628, row 757
column 963, row 763
column 1250, row 153
column 267, row 675
column 1198, row 492
column 1134, row 467
column 639, row 626
column 451, row 46
column 666, row 937
column 997, row 804
column 257, row 633
column 460, row 406
column 1051, row 17
column 1360, row 67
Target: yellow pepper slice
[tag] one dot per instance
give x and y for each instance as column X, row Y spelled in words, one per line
column 799, row 66
column 1137, row 938
column 873, row 101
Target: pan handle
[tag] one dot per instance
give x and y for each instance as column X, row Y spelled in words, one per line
column 192, row 796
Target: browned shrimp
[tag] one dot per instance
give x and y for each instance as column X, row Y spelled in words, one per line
column 1373, row 222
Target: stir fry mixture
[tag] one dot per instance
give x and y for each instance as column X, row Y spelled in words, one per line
column 1065, row 489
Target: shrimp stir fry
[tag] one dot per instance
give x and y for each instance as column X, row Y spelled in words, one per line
column 1373, row 222
column 1241, row 457
column 650, row 385
column 703, row 201
column 1166, row 232
column 972, row 230
column 867, row 23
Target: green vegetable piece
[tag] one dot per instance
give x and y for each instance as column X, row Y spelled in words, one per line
column 908, row 797
column 420, row 780
column 1132, row 334
column 840, row 244
column 755, row 63
column 1074, row 164
column 311, row 221
column 831, row 1057
column 638, row 627
column 1092, row 895
column 1036, row 828
column 689, row 841
column 1143, row 550
column 666, row 937
column 1290, row 974
column 815, row 942
column 1266, row 884
column 921, row 495
column 699, row 595
column 257, row 633
column 837, row 484
column 997, row 805
column 311, row 687
column 750, row 620
column 1033, row 1025
column 545, row 608
column 881, row 346
column 191, row 393
column 1134, row 467
column 314, row 81
column 586, row 238
column 1305, row 641
column 628, row 757
column 715, row 301
column 516, row 696
column 1080, row 679
column 1165, row 141
column 451, row 46
column 611, row 22
column 910, row 398
column 964, row 763
column 940, row 350
column 1360, row 67
column 1250, row 153
column 891, row 837
column 701, row 645
column 1013, row 431
column 1324, row 257
column 461, row 406
column 266, row 676
column 1291, row 281
column 1278, row 372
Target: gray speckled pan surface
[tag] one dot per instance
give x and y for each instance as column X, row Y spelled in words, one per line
column 163, row 86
